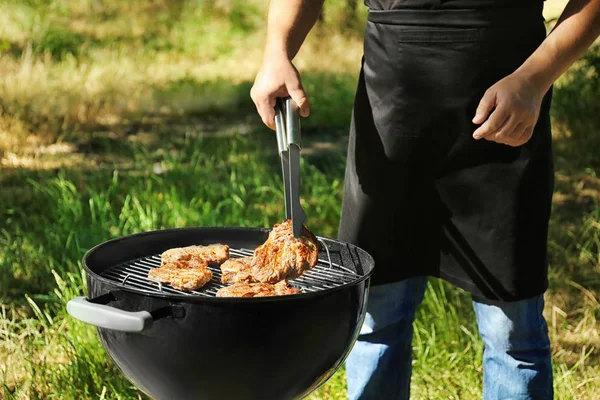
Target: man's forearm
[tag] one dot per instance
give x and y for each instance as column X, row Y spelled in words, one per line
column 575, row 31
column 288, row 24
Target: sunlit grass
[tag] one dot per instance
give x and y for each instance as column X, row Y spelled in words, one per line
column 104, row 64
column 225, row 182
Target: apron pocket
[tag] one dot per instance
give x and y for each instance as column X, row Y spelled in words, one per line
column 439, row 35
column 423, row 84
column 437, row 74
column 442, row 74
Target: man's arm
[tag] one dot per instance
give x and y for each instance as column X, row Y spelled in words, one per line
column 289, row 22
column 517, row 98
column 575, row 31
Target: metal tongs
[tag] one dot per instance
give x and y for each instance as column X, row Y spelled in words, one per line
column 287, row 124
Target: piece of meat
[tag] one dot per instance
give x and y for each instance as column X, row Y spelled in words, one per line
column 237, row 270
column 182, row 278
column 283, row 256
column 211, row 254
column 191, row 279
column 163, row 275
column 186, row 268
column 281, row 288
column 193, row 262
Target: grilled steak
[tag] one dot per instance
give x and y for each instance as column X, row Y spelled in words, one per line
column 179, row 256
column 191, row 279
column 193, row 262
column 186, row 268
column 182, row 278
column 283, row 256
column 257, row 290
column 237, row 270
column 163, row 275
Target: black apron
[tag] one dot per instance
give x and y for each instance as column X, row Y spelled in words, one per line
column 421, row 195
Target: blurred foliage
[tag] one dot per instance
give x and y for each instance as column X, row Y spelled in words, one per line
column 59, row 42
column 576, row 106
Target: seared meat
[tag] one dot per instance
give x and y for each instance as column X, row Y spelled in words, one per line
column 192, row 279
column 257, row 290
column 182, row 278
column 186, row 268
column 237, row 270
column 163, row 275
column 283, row 256
column 193, row 262
column 179, row 256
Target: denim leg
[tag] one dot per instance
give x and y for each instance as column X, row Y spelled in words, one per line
column 516, row 358
column 379, row 365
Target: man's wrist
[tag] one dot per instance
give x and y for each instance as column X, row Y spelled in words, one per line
column 540, row 80
column 277, row 47
column 276, row 53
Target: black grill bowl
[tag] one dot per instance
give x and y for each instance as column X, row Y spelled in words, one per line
column 203, row 347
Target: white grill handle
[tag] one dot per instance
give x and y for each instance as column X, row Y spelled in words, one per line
column 105, row 316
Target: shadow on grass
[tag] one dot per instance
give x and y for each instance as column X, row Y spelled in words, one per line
column 186, row 107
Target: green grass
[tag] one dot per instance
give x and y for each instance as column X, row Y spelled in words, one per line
column 221, row 181
column 121, row 117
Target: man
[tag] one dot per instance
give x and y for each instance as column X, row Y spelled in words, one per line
column 449, row 171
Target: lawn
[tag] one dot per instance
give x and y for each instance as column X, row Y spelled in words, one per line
column 121, row 117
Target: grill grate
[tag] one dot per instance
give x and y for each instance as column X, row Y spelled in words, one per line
column 325, row 275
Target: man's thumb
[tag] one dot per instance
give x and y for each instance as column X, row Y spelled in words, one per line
column 301, row 100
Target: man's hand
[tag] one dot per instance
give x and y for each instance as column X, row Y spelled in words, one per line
column 516, row 99
column 277, row 78
column 516, row 106
column 288, row 24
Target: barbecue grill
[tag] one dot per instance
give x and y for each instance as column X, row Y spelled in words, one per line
column 179, row 345
column 175, row 344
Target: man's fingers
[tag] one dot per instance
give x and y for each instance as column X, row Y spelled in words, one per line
column 268, row 118
column 277, row 81
column 494, row 123
column 519, row 136
column 518, row 131
column 510, row 130
column 526, row 134
column 509, row 134
column 487, row 103
column 261, row 102
column 266, row 109
column 297, row 94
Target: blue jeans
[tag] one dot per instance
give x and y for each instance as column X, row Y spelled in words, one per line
column 516, row 358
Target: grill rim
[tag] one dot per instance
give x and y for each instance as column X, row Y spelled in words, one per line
column 213, row 299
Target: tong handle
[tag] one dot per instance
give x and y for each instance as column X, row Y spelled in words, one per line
column 287, row 123
column 280, row 125
column 292, row 123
